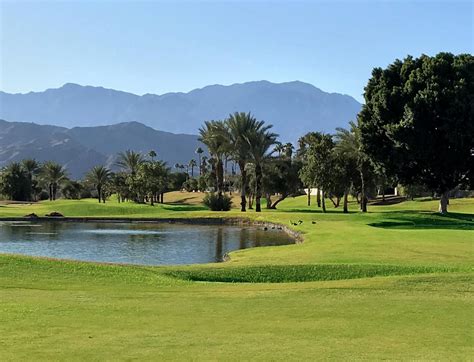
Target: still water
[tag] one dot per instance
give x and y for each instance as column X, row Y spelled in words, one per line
column 135, row 243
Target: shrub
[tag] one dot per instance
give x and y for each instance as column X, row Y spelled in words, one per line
column 213, row 202
column 190, row 185
column 43, row 195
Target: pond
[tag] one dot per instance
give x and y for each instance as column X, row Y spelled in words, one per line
column 134, row 243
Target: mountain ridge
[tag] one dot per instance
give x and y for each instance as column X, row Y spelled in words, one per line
column 294, row 108
column 81, row 148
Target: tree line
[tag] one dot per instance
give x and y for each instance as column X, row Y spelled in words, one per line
column 416, row 128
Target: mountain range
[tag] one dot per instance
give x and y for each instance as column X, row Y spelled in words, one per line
column 294, row 108
column 81, row 148
column 83, row 126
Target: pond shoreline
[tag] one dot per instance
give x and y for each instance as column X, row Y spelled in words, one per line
column 234, row 221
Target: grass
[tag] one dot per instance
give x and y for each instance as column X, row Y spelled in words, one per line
column 395, row 283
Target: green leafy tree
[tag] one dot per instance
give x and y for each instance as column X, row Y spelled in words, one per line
column 72, row 190
column 318, row 165
column 280, row 177
column 349, row 162
column 418, row 121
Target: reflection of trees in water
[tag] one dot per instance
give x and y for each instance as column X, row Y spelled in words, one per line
column 243, row 237
column 219, row 244
column 31, row 231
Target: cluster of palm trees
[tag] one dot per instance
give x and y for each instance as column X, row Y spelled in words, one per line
column 25, row 180
column 140, row 179
column 246, row 140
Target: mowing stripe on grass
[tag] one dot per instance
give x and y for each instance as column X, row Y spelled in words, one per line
column 299, row 273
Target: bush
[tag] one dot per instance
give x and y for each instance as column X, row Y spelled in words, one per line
column 213, row 202
column 202, row 183
column 43, row 195
column 190, row 185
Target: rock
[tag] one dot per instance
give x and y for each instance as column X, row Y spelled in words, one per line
column 54, row 214
column 32, row 216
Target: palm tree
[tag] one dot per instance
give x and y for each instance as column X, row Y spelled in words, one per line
column 53, row 174
column 32, row 168
column 152, row 154
column 348, row 143
column 288, row 149
column 99, row 176
column 129, row 161
column 279, row 148
column 240, row 127
column 214, row 135
column 192, row 164
column 259, row 144
column 199, row 152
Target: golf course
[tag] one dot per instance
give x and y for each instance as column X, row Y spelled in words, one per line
column 392, row 283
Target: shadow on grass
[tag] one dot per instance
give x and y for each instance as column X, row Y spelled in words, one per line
column 421, row 221
column 298, row 273
column 317, row 211
column 183, row 201
column 184, row 207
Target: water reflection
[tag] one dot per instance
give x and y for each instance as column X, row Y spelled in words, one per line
column 137, row 243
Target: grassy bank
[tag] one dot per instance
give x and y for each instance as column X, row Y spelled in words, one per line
column 395, row 283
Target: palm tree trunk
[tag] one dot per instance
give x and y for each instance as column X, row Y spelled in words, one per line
column 220, row 177
column 345, row 210
column 318, row 197
column 258, row 187
column 200, row 164
column 309, row 195
column 99, row 194
column 243, row 185
column 323, row 202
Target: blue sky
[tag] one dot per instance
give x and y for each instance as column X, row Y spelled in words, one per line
column 158, row 47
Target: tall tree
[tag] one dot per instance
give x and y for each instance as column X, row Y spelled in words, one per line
column 152, row 154
column 418, row 121
column 99, row 176
column 241, row 126
column 318, row 163
column 53, row 174
column 32, row 168
column 129, row 161
column 214, row 135
column 349, row 160
column 259, row 144
column 192, row 164
column 14, row 182
column 199, row 151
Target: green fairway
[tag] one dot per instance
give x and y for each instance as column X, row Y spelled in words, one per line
column 395, row 283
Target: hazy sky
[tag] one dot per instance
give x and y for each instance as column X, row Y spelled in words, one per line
column 158, row 47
